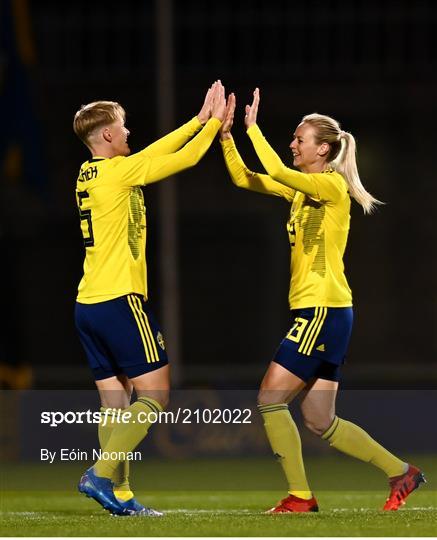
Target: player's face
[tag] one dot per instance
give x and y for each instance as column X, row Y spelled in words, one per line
column 120, row 133
column 304, row 148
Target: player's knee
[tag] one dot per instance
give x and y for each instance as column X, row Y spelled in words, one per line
column 162, row 397
column 262, row 399
column 317, row 425
column 270, row 397
column 164, row 400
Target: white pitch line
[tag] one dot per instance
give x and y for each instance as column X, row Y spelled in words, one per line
column 411, row 509
column 421, row 508
column 241, row 512
column 207, row 511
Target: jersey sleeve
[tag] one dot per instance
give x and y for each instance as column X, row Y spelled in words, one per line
column 324, row 187
column 140, row 169
column 247, row 179
column 174, row 140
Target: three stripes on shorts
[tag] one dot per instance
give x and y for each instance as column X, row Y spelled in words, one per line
column 311, row 333
column 144, row 328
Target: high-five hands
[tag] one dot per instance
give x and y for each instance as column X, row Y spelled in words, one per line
column 252, row 110
column 218, row 108
column 214, row 104
column 225, row 130
column 205, row 112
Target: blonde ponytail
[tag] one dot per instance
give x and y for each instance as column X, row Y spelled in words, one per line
column 346, row 164
column 342, row 157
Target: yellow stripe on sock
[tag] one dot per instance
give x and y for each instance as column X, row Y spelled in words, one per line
column 148, row 330
column 140, row 327
column 317, row 331
column 309, row 332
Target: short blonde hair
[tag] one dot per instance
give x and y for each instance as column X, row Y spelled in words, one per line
column 95, row 115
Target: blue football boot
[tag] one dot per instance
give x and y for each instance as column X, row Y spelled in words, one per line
column 134, row 508
column 101, row 490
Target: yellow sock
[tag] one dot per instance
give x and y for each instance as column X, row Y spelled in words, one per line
column 125, row 437
column 120, row 476
column 285, row 441
column 354, row 441
column 123, row 495
column 122, row 489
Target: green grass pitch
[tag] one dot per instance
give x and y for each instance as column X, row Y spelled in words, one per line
column 217, row 498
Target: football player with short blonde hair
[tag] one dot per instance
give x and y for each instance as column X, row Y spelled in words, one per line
column 121, row 338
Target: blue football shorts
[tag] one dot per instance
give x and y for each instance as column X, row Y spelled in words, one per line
column 120, row 336
column 316, row 345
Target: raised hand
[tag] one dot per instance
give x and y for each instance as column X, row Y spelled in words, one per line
column 225, row 130
column 205, row 112
column 252, row 110
column 218, row 109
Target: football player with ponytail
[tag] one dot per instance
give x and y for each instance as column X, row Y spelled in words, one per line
column 308, row 360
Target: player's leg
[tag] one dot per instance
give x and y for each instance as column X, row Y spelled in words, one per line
column 125, row 436
column 109, row 492
column 286, row 376
column 152, row 391
column 143, row 358
column 317, row 403
column 277, row 388
column 121, row 336
column 318, row 409
column 115, row 392
column 115, row 395
column 88, row 320
column 298, row 354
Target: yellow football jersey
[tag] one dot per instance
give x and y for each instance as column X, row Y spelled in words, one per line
column 113, row 215
column 318, row 225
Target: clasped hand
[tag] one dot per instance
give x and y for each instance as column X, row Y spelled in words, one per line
column 216, row 106
column 249, row 119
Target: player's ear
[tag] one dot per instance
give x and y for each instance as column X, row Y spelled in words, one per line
column 323, row 149
column 106, row 134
